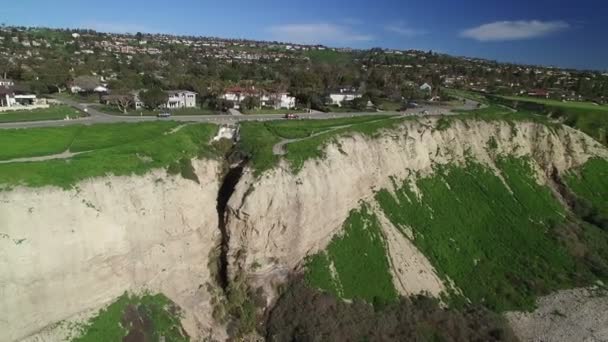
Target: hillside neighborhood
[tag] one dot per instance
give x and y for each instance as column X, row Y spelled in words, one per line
column 159, row 71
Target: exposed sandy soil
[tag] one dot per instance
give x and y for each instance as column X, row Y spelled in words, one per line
column 412, row 272
column 279, row 218
column 570, row 315
column 64, row 252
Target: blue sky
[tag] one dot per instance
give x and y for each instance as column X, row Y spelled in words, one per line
column 563, row 33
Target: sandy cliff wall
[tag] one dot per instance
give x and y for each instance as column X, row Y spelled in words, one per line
column 63, row 252
column 282, row 217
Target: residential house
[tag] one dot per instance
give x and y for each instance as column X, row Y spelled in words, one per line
column 340, row 95
column 539, row 93
column 88, row 84
column 238, row 94
column 279, row 100
column 180, row 99
column 9, row 98
column 426, row 88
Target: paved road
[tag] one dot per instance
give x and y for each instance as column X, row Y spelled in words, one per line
column 97, row 117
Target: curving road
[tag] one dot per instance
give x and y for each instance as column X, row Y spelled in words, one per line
column 98, row 117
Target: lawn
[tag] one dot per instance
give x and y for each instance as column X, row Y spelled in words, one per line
column 336, row 109
column 258, row 138
column 113, row 110
column 272, row 111
column 355, row 265
column 119, row 149
column 465, row 94
column 499, row 247
column 43, row 114
column 585, row 116
column 556, row 103
column 151, row 317
column 390, row 106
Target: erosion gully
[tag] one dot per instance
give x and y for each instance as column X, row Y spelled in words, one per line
column 226, row 190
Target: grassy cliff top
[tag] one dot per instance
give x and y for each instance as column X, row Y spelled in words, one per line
column 83, row 152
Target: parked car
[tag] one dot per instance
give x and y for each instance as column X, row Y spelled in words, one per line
column 164, row 115
column 291, row 116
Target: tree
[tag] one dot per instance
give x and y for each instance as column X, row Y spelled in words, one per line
column 153, row 98
column 123, row 101
column 251, row 102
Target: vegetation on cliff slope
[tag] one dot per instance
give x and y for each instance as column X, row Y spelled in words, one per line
column 493, row 237
column 355, row 265
column 134, row 318
column 118, row 149
column 305, row 314
column 502, row 238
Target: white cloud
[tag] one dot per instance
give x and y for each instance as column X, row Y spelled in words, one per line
column 514, row 30
column 321, row 33
column 401, row 29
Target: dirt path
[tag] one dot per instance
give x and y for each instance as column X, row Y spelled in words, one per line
column 279, row 148
column 63, row 155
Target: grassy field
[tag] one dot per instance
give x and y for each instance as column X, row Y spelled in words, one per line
column 585, row 116
column 272, row 111
column 465, row 94
column 150, row 317
column 113, row 110
column 355, row 265
column 499, row 248
column 258, row 138
column 556, row 103
column 119, row 149
column 42, row 114
column 390, row 106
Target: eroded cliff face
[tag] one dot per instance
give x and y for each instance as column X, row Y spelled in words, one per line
column 65, row 252
column 280, row 218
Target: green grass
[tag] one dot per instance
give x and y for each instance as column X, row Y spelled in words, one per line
column 329, row 56
column 591, row 183
column 118, row 149
column 19, row 143
column 556, row 103
column 301, row 151
column 359, row 257
column 258, row 138
column 499, row 248
column 585, row 116
column 465, row 94
column 390, row 106
column 113, row 110
column 159, row 315
column 271, row 111
column 344, row 109
column 41, row 114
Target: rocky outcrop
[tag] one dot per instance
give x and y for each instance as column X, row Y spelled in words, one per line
column 65, row 252
column 279, row 218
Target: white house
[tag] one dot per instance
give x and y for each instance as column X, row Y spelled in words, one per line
column 5, row 82
column 426, row 87
column 181, row 99
column 278, row 101
column 343, row 94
